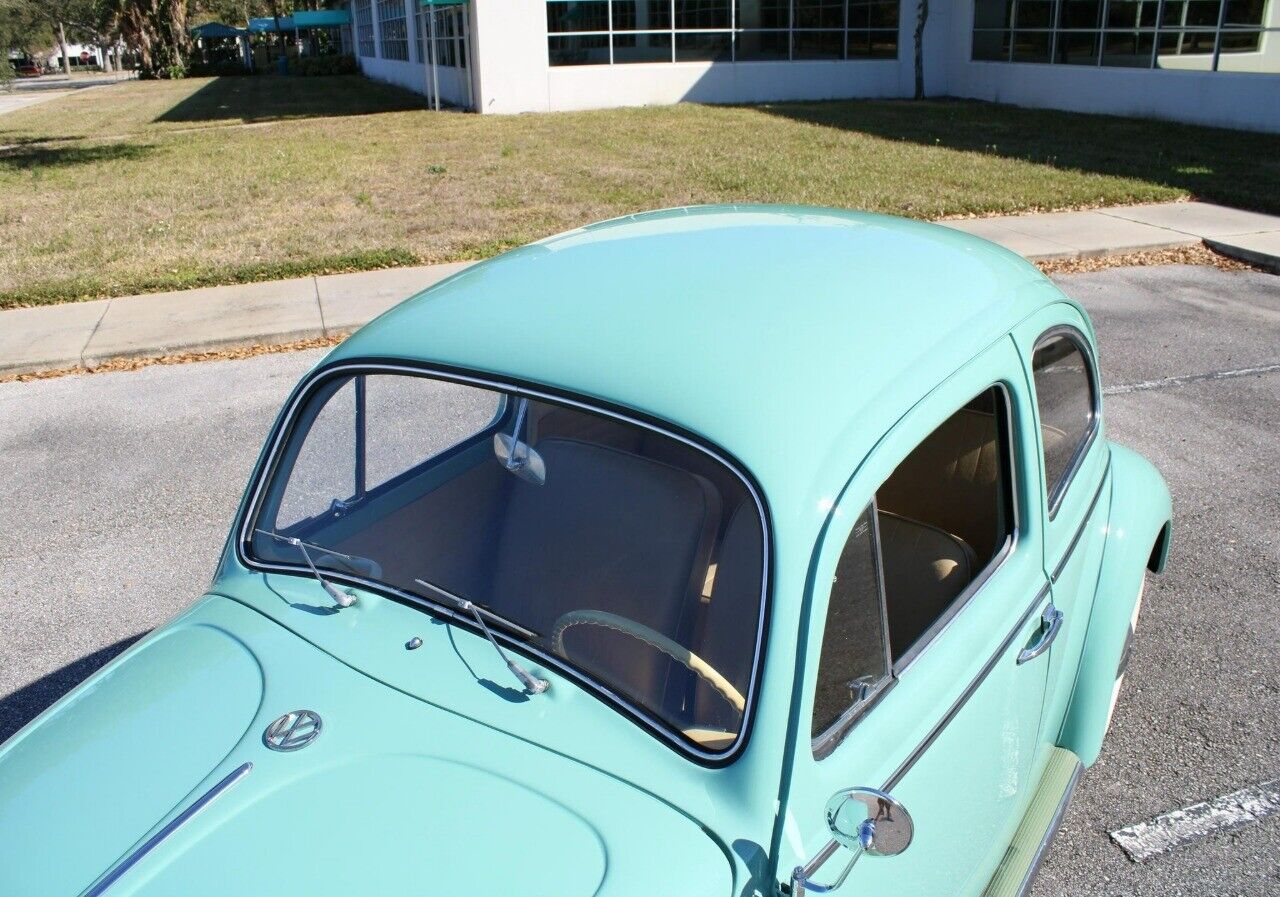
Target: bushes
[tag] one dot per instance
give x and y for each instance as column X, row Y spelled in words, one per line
column 323, row 65
column 163, row 72
column 221, row 69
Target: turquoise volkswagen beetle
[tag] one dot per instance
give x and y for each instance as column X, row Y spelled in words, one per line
column 715, row 551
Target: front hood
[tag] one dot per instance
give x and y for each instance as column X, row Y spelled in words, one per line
column 394, row 796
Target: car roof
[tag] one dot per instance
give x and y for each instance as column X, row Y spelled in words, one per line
column 790, row 337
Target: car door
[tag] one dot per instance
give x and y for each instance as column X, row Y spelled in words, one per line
column 946, row 718
column 1072, row 464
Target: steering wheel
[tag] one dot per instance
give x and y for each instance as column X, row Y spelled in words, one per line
column 653, row 639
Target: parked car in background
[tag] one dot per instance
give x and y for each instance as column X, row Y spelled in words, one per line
column 27, row 69
column 702, row 552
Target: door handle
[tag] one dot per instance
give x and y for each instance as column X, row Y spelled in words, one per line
column 1050, row 624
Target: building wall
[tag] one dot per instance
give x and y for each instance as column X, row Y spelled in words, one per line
column 512, row 74
column 1221, row 99
column 414, row 73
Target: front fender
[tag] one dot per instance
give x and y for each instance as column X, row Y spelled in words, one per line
column 1137, row 540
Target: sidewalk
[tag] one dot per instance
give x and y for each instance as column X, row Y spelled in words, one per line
column 86, row 333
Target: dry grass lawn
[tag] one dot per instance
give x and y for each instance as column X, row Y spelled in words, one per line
column 163, row 185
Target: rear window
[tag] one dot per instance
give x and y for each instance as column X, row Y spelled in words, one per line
column 619, row 551
column 1066, row 401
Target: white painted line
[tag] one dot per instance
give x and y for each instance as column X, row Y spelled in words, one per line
column 1145, row 840
column 1189, row 378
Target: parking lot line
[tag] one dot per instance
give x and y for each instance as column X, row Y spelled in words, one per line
column 1165, row 382
column 1145, row 840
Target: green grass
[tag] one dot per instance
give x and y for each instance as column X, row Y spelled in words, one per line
column 165, row 185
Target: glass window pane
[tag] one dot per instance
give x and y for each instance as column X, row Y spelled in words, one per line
column 1131, row 13
column 701, row 14
column 1244, row 12
column 1081, row 13
column 325, row 469
column 853, row 650
column 1203, row 13
column 1031, row 46
column 992, row 13
column 1240, row 41
column 1064, row 395
column 642, row 48
column 819, row 45
column 641, row 15
column 884, row 15
column 763, row 14
column 883, row 44
column 1078, row 47
column 587, row 49
column 1034, row 14
column 820, row 14
column 1127, row 49
column 991, row 46
column 578, row 15
column 763, row 46
column 702, row 47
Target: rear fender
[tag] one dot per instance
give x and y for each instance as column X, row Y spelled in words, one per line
column 1137, row 540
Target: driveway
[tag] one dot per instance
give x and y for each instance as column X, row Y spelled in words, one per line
column 118, row 490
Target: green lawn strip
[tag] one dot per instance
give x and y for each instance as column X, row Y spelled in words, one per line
column 87, row 288
column 173, row 185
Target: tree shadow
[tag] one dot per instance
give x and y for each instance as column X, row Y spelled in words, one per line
column 1235, row 168
column 22, row 706
column 41, row 156
column 263, row 98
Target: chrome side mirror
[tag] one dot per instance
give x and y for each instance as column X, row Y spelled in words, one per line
column 864, row 820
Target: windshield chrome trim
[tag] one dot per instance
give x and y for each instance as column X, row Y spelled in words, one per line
column 117, row 872
column 284, row 425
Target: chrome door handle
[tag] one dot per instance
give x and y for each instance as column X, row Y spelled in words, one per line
column 1050, row 623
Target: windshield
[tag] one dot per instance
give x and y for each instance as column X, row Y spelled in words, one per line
column 621, row 551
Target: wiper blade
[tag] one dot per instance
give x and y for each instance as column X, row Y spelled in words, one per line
column 342, row 599
column 531, row 683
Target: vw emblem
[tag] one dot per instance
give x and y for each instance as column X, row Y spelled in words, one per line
column 293, row 731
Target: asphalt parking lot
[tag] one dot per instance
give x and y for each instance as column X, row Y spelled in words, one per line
column 117, row 491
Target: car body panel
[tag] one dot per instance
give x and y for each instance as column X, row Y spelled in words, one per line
column 1140, row 510
column 393, row 796
column 955, row 738
column 124, row 749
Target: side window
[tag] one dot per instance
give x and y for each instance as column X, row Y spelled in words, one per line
column 1066, row 400
column 854, row 661
column 945, row 515
column 941, row 520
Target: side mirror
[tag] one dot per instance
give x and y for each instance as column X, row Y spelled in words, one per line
column 864, row 820
column 870, row 821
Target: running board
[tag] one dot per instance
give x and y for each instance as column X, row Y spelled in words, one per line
column 1022, row 860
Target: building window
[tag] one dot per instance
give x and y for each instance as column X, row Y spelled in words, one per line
column 450, row 43
column 393, row 30
column 364, row 28
column 1187, row 35
column 603, row 32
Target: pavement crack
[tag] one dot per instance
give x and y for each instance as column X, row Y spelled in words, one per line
column 94, row 332
column 1168, row 382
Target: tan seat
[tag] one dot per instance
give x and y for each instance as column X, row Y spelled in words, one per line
column 925, row 568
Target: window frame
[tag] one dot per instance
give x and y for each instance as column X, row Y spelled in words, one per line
column 281, row 435
column 1053, row 497
column 826, row 743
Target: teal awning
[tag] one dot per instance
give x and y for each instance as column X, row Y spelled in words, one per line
column 443, row 2
column 216, row 29
column 268, row 23
column 320, row 18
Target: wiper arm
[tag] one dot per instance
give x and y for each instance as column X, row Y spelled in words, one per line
column 532, row 683
column 342, row 599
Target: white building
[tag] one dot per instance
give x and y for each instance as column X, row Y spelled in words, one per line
column 1213, row 62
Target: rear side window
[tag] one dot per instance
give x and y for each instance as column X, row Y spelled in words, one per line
column 1067, row 403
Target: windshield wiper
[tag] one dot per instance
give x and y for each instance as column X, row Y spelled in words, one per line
column 532, row 683
column 342, row 599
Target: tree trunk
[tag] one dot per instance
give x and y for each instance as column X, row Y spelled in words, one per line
column 922, row 16
column 62, row 46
